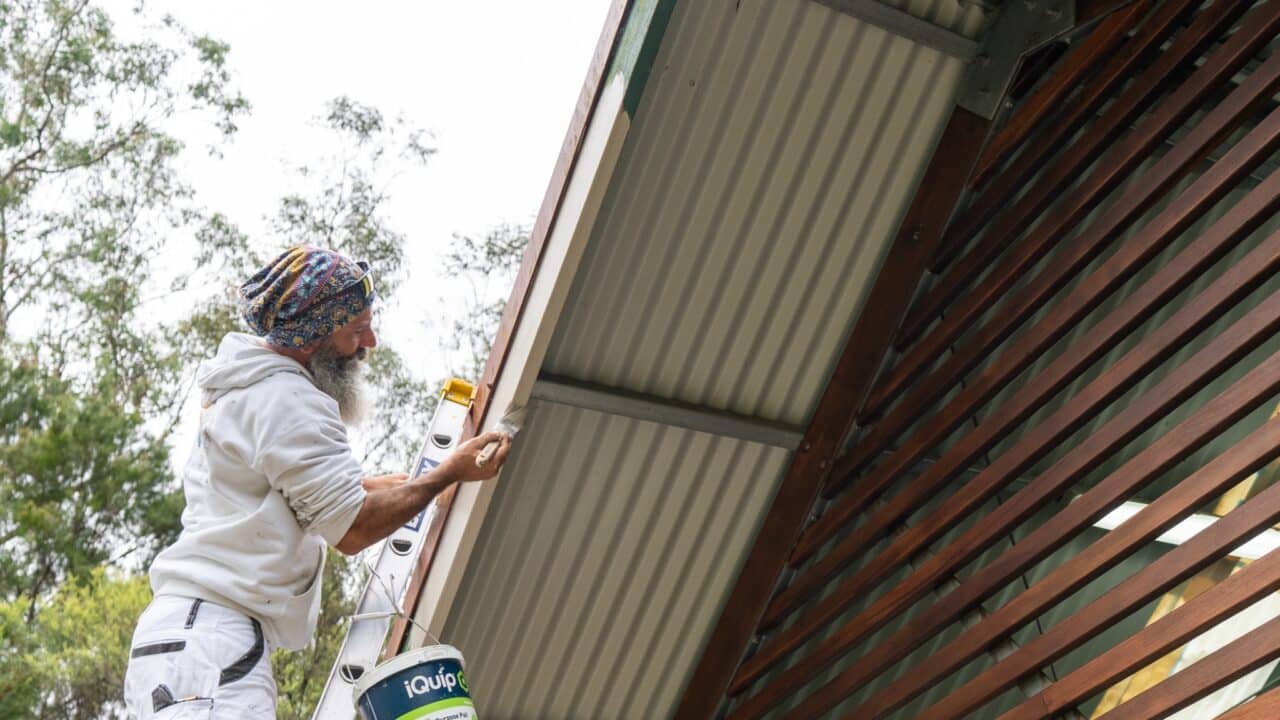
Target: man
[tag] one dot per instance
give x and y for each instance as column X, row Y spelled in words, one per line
column 271, row 480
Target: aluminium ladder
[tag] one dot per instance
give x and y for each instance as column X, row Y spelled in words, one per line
column 385, row 588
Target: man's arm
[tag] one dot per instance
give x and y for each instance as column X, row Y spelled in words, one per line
column 385, row 510
column 384, row 482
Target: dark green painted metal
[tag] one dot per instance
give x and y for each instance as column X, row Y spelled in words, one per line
column 642, row 35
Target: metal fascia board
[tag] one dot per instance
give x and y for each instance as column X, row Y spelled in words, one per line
column 1019, row 28
column 615, row 401
column 906, row 25
column 596, row 132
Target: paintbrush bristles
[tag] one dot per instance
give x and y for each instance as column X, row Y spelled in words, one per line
column 509, row 424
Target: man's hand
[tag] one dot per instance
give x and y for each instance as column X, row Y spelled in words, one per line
column 389, row 507
column 460, row 466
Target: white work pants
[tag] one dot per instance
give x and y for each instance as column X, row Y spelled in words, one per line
column 192, row 659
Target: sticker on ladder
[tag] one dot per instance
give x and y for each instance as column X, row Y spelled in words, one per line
column 416, row 523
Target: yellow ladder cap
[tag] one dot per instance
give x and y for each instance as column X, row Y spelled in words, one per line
column 459, row 391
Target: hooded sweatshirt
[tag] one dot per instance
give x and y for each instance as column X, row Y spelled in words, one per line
column 271, row 480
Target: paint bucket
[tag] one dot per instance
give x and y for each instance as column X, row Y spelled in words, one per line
column 422, row 684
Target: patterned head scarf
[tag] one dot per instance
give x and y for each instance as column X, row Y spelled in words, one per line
column 305, row 295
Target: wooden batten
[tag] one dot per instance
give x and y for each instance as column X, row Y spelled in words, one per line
column 1154, row 237
column 1108, row 138
column 1105, row 44
column 1025, row 166
column 1176, row 276
column 1183, row 561
column 1184, row 623
column 1135, row 419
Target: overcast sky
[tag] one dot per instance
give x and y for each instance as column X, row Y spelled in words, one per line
column 495, row 81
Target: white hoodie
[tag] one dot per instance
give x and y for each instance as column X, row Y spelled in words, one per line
column 270, row 481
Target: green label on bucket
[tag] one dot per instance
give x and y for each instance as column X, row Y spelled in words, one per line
column 434, row 707
column 432, row 690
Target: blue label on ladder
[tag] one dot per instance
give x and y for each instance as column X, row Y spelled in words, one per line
column 425, row 465
column 416, row 523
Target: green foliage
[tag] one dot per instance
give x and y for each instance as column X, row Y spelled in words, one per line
column 489, row 265
column 69, row 663
column 404, row 405
column 82, row 112
column 79, row 480
column 89, row 190
column 343, row 201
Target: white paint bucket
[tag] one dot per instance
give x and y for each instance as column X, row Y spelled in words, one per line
column 423, row 684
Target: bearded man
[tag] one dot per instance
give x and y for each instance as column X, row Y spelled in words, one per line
column 270, row 482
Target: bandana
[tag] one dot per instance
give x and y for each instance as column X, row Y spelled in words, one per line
column 305, row 295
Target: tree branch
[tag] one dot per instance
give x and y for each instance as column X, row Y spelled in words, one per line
column 7, row 311
column 59, row 39
column 4, row 266
column 137, row 131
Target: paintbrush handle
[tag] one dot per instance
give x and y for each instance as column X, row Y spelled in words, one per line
column 486, row 454
column 507, row 425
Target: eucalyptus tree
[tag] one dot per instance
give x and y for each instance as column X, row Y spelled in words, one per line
column 90, row 190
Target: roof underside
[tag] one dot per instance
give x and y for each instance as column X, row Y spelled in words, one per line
column 773, row 153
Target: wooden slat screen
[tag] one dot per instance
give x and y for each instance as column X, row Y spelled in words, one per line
column 1102, row 328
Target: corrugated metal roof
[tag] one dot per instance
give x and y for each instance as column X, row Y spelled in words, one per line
column 769, row 163
column 765, row 173
column 966, row 17
column 604, row 563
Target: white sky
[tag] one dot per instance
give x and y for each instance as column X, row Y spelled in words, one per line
column 495, row 81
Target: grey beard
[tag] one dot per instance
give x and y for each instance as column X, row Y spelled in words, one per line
column 342, row 378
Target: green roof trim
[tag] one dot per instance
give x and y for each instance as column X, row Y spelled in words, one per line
column 636, row 50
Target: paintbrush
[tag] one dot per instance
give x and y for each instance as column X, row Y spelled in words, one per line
column 509, row 424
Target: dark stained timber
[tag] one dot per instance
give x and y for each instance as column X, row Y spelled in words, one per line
column 1059, row 320
column 1209, row 25
column 1227, row 470
column 1171, row 448
column 1242, row 337
column 1071, row 117
column 1137, row 590
column 1118, row 160
column 960, row 317
column 1251, row 584
column 1231, row 662
column 1047, row 100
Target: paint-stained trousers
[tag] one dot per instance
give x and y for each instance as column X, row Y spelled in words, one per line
column 193, row 659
